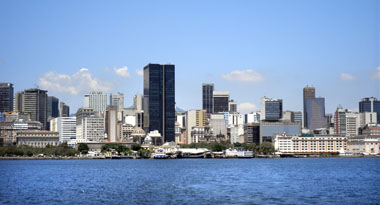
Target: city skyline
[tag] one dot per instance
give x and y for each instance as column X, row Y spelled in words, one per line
column 244, row 51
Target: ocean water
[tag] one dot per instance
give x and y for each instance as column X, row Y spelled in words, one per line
column 191, row 181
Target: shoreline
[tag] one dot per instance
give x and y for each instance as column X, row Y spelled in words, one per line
column 103, row 158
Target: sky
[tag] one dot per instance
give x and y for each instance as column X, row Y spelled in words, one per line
column 250, row 48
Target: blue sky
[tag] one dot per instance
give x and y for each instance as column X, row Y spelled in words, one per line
column 249, row 48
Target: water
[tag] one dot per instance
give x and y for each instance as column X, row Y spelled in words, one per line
column 191, row 181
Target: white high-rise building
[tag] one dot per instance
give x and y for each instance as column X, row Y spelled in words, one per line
column 117, row 100
column 367, row 118
column 89, row 125
column 352, row 124
column 65, row 126
column 96, row 100
column 138, row 102
column 252, row 117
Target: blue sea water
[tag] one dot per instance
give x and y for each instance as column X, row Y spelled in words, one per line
column 191, row 181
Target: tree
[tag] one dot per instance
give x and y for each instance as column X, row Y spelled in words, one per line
column 136, row 147
column 266, row 148
column 83, row 148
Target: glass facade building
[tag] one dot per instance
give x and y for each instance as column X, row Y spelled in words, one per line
column 370, row 105
column 315, row 113
column 159, row 100
column 207, row 96
column 221, row 100
column 52, row 107
column 6, row 97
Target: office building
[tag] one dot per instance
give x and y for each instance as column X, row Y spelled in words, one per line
column 232, row 106
column 64, row 110
column 220, row 101
column 268, row 129
column 207, row 97
column 117, row 100
column 112, row 127
column 315, row 113
column 52, row 107
column 308, row 93
column 271, row 109
column 138, row 102
column 159, row 100
column 298, row 117
column 370, row 105
column 34, row 101
column 89, row 125
column 218, row 125
column 65, row 126
column 6, row 97
column 96, row 100
column 252, row 133
column 253, row 117
column 18, row 101
column 194, row 118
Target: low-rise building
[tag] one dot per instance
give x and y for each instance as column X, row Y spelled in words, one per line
column 37, row 138
column 310, row 144
column 364, row 144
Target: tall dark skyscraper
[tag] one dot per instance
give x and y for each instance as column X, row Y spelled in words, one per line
column 308, row 92
column 159, row 100
column 52, row 107
column 35, row 102
column 207, row 97
column 370, row 105
column 6, row 97
column 220, row 101
column 64, row 110
column 314, row 110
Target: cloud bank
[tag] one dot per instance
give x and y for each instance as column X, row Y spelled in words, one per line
column 244, row 76
column 123, row 72
column 347, row 76
column 246, row 107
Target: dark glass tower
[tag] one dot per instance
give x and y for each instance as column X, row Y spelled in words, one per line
column 159, row 100
column 315, row 113
column 6, row 97
column 220, row 101
column 370, row 105
column 52, row 107
column 35, row 103
column 308, row 92
column 207, row 96
column 273, row 110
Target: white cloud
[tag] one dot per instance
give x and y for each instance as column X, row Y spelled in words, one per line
column 246, row 107
column 377, row 73
column 123, row 72
column 140, row 72
column 244, row 76
column 347, row 76
column 78, row 83
column 106, row 69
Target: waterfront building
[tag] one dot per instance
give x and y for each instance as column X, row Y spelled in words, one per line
column 6, row 97
column 207, row 97
column 269, row 129
column 112, row 126
column 220, row 101
column 309, row 144
column 252, row 133
column 371, row 129
column 89, row 125
column 271, row 109
column 194, row 118
column 370, row 105
column 364, row 144
column 159, row 100
column 38, row 138
column 232, row 106
column 34, row 101
column 65, row 126
column 96, row 100
column 126, row 131
column 64, row 110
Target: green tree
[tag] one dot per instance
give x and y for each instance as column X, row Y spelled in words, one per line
column 136, row 147
column 266, row 148
column 83, row 148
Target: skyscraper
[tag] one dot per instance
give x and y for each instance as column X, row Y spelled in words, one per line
column 308, row 92
column 64, row 110
column 35, row 102
column 96, row 100
column 6, row 97
column 370, row 105
column 314, row 110
column 52, row 107
column 159, row 100
column 112, row 127
column 117, row 100
column 271, row 109
column 207, row 97
column 220, row 101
